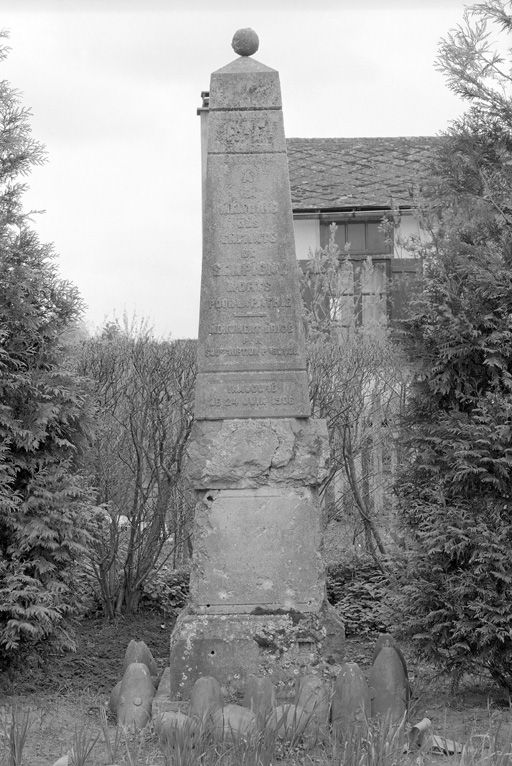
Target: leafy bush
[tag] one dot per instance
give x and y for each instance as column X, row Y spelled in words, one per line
column 166, row 590
column 358, row 589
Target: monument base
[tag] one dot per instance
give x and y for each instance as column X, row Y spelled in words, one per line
column 280, row 645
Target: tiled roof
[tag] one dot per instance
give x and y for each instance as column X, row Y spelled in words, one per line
column 357, row 172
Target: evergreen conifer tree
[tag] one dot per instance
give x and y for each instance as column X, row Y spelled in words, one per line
column 43, row 504
column 456, row 492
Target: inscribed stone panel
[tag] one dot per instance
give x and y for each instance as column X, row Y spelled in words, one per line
column 249, row 131
column 257, row 548
column 254, row 394
column 250, row 302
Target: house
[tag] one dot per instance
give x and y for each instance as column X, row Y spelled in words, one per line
column 356, row 183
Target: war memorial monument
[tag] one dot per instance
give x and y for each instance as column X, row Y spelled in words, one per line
column 255, row 457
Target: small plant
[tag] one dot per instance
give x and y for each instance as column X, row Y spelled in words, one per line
column 83, row 743
column 15, row 735
column 112, row 749
column 167, row 589
column 375, row 742
column 187, row 743
column 134, row 742
column 358, row 588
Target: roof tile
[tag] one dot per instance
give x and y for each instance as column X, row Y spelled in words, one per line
column 357, row 172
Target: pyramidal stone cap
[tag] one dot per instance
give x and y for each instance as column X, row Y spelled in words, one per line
column 245, row 83
column 245, row 42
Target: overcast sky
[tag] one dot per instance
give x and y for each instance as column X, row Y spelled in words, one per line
column 114, row 86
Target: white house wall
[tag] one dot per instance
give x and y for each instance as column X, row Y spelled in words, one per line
column 307, row 237
column 407, row 228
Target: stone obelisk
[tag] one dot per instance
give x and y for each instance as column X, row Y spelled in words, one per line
column 255, row 457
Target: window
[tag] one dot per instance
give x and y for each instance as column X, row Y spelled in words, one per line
column 365, row 237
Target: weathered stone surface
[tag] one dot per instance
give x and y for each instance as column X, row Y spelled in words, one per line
column 351, row 699
column 138, row 651
column 135, row 697
column 234, row 722
column 245, row 84
column 254, row 458
column 173, row 727
column 169, row 721
column 245, row 42
column 260, row 697
column 387, row 640
column 179, row 737
column 232, row 646
column 257, row 548
column 290, row 722
column 312, row 696
column 251, row 350
column 388, row 684
column 205, row 697
column 251, row 453
column 162, row 702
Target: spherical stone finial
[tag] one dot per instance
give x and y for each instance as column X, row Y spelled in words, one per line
column 245, row 42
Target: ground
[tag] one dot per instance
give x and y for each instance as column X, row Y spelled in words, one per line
column 66, row 693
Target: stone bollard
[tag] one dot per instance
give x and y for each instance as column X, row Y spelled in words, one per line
column 351, row 700
column 260, row 697
column 233, row 723
column 138, row 651
column 205, row 698
column 388, row 685
column 135, row 697
column 387, row 640
column 312, row 696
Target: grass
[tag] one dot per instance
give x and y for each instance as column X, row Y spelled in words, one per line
column 70, row 694
column 15, row 730
column 379, row 742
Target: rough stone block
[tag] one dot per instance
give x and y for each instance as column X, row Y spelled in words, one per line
column 251, row 453
column 230, row 647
